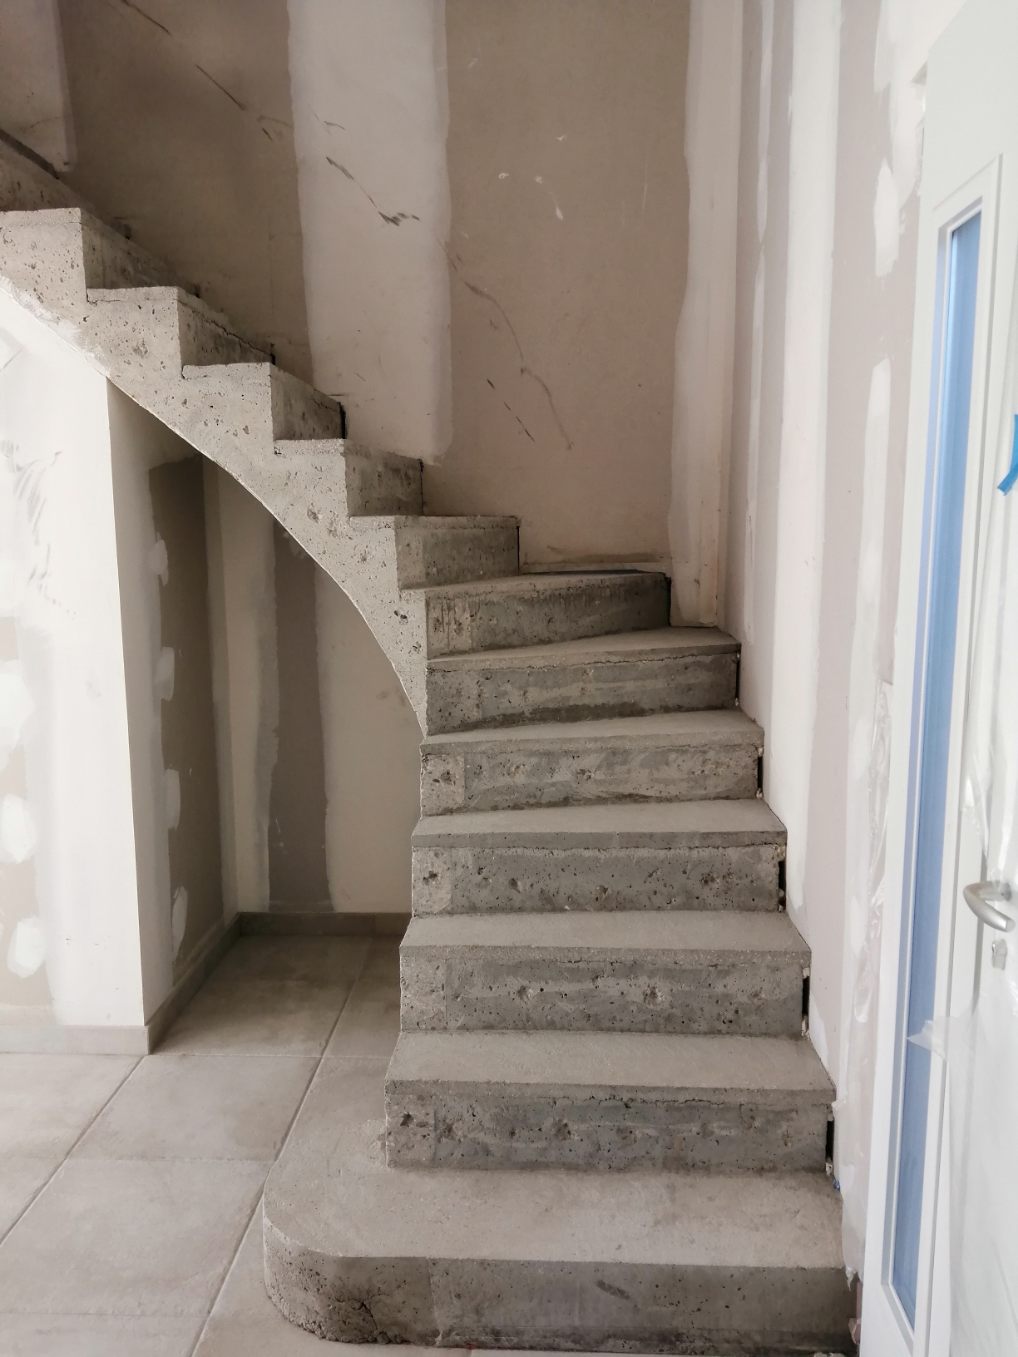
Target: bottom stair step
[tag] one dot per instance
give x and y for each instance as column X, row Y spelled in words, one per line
column 606, row 1100
column 691, row 1263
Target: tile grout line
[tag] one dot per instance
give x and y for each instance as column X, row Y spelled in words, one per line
column 70, row 1150
column 231, row 1264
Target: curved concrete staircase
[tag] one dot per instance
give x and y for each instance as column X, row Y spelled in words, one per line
column 603, row 1126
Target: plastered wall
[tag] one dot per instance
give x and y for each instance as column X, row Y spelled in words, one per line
column 317, row 743
column 825, row 264
column 109, row 843
column 467, row 218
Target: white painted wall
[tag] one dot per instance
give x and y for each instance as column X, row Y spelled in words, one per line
column 829, row 165
column 64, row 699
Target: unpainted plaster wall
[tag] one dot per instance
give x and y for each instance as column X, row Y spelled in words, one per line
column 182, row 130
column 467, row 218
column 567, row 258
column 318, row 745
column 826, row 260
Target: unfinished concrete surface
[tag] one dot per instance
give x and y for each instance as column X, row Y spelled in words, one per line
column 684, row 940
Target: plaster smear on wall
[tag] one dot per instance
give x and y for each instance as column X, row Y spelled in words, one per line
column 800, row 514
column 371, row 740
column 748, row 612
column 704, row 352
column 369, row 126
column 245, row 682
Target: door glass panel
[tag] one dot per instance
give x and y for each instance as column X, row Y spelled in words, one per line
column 946, row 492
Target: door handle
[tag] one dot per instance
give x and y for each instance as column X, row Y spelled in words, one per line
column 980, row 897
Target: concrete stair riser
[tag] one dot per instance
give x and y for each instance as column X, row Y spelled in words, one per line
column 376, row 483
column 479, row 880
column 585, row 680
column 608, row 1102
column 464, row 990
column 433, row 551
column 609, row 972
column 543, row 608
column 620, row 857
column 684, row 756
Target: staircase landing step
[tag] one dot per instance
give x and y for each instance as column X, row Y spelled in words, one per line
column 652, row 1262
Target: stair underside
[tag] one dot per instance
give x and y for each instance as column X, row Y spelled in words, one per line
column 670, row 1262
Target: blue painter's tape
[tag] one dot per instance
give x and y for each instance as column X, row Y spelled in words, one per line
column 1011, row 479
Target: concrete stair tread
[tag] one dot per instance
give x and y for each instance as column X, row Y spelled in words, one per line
column 616, row 932
column 622, row 647
column 657, row 824
column 719, row 727
column 707, row 1220
column 445, row 522
column 637, row 1060
column 530, row 586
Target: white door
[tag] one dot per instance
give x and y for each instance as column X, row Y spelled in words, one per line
column 941, row 1269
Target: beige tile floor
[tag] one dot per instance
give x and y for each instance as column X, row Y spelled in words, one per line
column 130, row 1189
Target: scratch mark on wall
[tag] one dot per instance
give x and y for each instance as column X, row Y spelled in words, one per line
column 525, row 369
column 221, row 88
column 392, row 219
column 137, row 9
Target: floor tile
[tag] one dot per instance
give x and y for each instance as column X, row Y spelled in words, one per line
column 46, row 1101
column 201, row 1107
column 127, row 1237
column 312, row 960
column 20, row 1180
column 383, row 959
column 369, row 1024
column 258, row 1017
column 341, row 1122
column 245, row 1322
column 93, row 1336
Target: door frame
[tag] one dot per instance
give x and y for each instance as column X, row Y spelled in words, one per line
column 959, row 145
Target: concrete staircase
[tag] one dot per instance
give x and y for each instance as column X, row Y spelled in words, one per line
column 603, row 1127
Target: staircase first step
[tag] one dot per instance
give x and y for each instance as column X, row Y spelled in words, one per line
column 627, row 674
column 532, row 609
column 655, row 856
column 672, row 756
column 645, row 971
column 710, row 1263
column 606, row 1100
